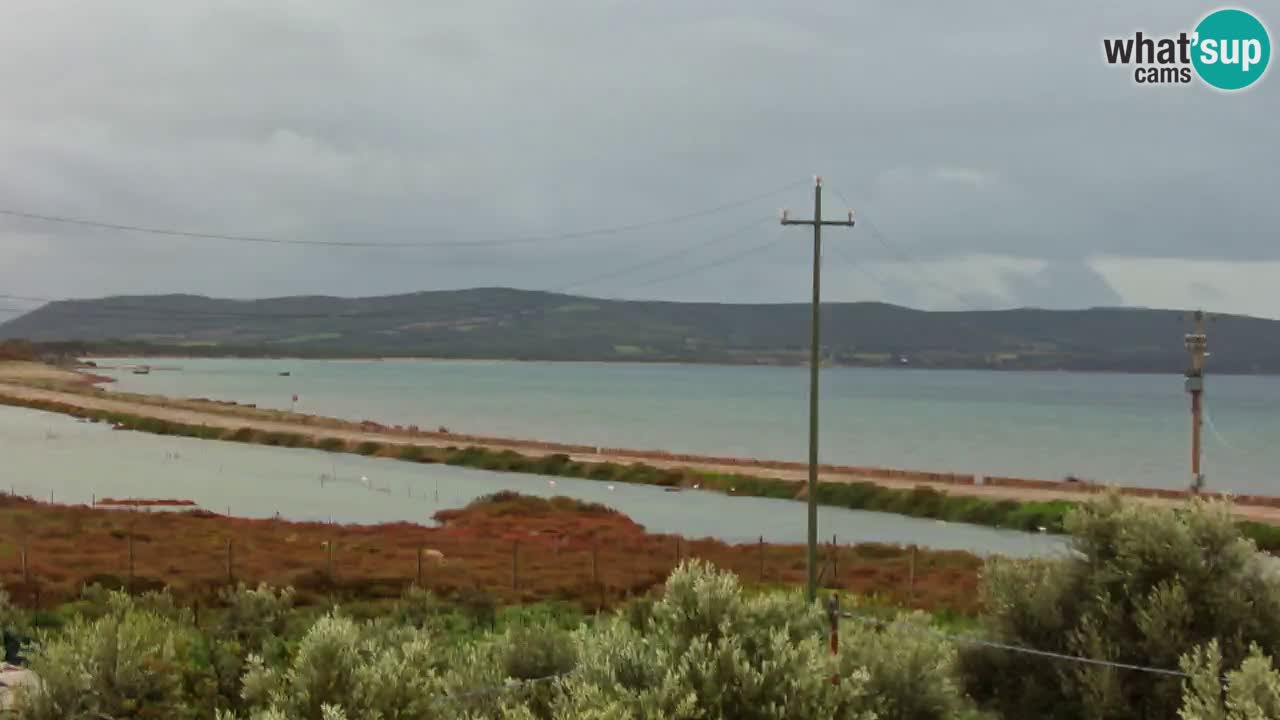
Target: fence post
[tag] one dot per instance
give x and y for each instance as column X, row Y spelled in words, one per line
column 418, row 576
column 677, row 551
column 515, row 565
column 230, row 575
column 129, row 588
column 761, row 559
column 833, row 615
column 331, row 560
column 911, row 578
column 835, row 562
column 595, row 572
column 595, row 564
column 26, row 577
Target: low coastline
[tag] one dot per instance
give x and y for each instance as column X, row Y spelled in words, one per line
column 678, row 363
column 1010, row 503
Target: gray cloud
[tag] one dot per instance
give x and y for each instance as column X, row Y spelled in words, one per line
column 1063, row 284
column 961, row 131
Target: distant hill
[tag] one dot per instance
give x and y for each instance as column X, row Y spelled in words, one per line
column 517, row 324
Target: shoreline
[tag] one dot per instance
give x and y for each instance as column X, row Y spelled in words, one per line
column 674, row 363
column 1059, row 489
column 225, row 420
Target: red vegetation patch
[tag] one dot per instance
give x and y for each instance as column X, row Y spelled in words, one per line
column 567, row 522
column 518, row 549
column 145, row 502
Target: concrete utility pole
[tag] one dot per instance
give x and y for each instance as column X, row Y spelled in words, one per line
column 817, row 222
column 1196, row 343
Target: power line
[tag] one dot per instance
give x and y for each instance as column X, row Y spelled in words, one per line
column 681, row 252
column 976, row 641
column 100, row 310
column 858, row 267
column 913, row 264
column 718, row 262
column 261, row 239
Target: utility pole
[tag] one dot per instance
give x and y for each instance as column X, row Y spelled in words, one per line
column 1196, row 343
column 817, row 222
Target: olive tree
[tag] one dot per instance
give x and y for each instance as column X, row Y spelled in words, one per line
column 705, row 650
column 1143, row 585
column 1250, row 692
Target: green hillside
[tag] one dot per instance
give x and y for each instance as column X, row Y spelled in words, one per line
column 516, row 324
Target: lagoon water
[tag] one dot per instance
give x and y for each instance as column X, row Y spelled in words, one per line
column 1123, row 429
column 49, row 455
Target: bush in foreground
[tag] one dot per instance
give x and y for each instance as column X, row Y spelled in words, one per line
column 134, row 661
column 704, row 650
column 1144, row 585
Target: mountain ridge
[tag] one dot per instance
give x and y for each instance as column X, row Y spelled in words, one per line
column 508, row 323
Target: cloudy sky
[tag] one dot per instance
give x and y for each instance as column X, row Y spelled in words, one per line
column 996, row 159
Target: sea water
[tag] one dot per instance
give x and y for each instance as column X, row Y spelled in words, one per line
column 55, row 457
column 1112, row 428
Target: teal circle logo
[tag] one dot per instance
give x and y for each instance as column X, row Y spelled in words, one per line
column 1231, row 49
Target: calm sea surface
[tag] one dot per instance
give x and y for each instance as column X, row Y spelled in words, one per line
column 47, row 454
column 1125, row 429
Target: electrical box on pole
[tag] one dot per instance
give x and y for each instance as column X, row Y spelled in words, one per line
column 1196, row 344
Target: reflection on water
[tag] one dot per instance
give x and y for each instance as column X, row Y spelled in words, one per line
column 77, row 461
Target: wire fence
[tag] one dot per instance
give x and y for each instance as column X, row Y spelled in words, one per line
column 597, row 562
column 594, row 571
column 514, row 684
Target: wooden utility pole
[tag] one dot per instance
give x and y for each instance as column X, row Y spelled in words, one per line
column 1196, row 343
column 817, row 222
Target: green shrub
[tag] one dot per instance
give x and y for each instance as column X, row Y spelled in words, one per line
column 342, row 669
column 1144, row 585
column 412, row 453
column 253, row 617
column 369, row 447
column 911, row 673
column 1252, row 690
column 243, row 434
column 536, row 653
column 332, row 444
column 479, row 606
column 282, row 439
column 1267, row 537
column 467, row 457
column 604, row 471
column 556, row 464
column 708, row 651
column 131, row 662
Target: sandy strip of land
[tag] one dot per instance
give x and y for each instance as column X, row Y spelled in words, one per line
column 234, row 417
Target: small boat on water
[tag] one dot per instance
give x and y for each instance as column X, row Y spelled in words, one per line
column 285, row 373
column 142, row 370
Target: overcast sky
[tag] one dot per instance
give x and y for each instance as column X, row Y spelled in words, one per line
column 999, row 161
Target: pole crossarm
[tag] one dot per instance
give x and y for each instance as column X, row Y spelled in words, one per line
column 824, row 223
